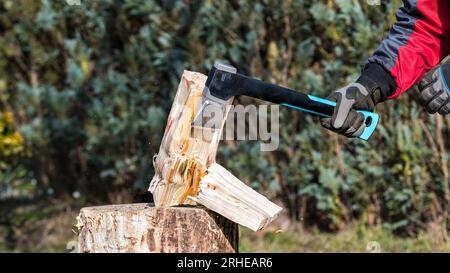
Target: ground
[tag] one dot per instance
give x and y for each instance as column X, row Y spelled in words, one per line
column 351, row 239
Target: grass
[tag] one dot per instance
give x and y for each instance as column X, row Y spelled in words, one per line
column 37, row 227
column 352, row 239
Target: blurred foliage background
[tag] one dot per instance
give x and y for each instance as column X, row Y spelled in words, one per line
column 85, row 91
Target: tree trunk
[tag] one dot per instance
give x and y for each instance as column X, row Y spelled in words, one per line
column 145, row 228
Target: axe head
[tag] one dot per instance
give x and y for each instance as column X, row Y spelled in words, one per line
column 212, row 108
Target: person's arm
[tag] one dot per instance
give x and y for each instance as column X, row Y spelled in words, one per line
column 417, row 42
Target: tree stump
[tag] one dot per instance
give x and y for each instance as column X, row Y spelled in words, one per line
column 145, row 228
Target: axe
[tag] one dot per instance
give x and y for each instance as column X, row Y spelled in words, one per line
column 224, row 82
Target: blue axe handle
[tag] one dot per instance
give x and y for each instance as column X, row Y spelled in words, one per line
column 371, row 119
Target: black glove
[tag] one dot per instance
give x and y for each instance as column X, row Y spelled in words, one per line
column 435, row 90
column 373, row 86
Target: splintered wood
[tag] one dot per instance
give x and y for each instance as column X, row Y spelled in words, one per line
column 182, row 160
column 185, row 168
column 225, row 194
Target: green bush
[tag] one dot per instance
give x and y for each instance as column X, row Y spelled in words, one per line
column 13, row 182
column 91, row 86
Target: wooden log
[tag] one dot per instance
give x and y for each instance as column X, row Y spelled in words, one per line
column 224, row 193
column 183, row 159
column 185, row 168
column 144, row 228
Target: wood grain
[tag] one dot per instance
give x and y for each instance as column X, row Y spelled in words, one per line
column 182, row 159
column 144, row 228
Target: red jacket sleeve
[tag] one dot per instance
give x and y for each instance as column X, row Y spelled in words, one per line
column 417, row 42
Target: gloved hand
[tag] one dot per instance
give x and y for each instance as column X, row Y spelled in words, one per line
column 364, row 94
column 435, row 90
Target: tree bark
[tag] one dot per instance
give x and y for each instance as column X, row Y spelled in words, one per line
column 145, row 228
